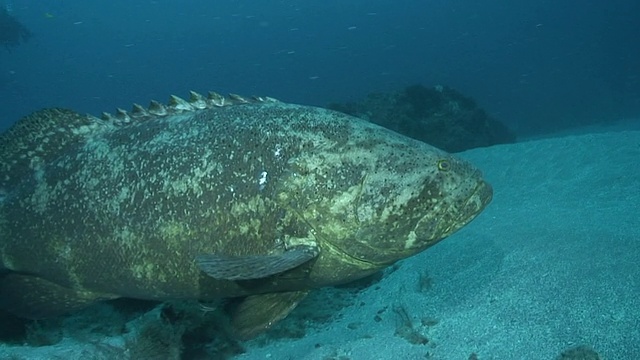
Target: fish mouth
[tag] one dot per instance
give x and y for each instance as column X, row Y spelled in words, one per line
column 427, row 232
column 480, row 197
column 433, row 229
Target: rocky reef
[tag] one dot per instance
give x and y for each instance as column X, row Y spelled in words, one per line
column 439, row 116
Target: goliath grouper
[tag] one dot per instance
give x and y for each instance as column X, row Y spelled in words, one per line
column 214, row 198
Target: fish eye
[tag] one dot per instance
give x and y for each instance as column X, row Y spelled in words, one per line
column 444, row 165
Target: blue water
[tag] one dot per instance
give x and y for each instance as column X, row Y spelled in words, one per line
column 536, row 66
column 552, row 262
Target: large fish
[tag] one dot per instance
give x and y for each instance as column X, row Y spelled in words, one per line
column 212, row 198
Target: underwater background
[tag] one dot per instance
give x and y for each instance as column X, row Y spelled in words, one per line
column 537, row 66
column 548, row 271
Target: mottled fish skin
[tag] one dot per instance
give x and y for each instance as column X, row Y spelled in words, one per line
column 125, row 209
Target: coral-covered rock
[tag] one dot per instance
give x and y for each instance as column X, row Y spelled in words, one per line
column 439, row 116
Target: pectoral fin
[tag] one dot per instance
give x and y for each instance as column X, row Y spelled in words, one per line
column 254, row 266
column 257, row 313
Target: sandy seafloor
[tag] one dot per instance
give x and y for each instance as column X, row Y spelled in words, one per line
column 552, row 263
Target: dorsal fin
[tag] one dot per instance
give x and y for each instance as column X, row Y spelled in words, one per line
column 38, row 138
column 178, row 105
column 43, row 135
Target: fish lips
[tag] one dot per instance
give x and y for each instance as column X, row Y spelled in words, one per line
column 475, row 204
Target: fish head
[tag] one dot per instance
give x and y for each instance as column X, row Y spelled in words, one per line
column 405, row 212
column 388, row 201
